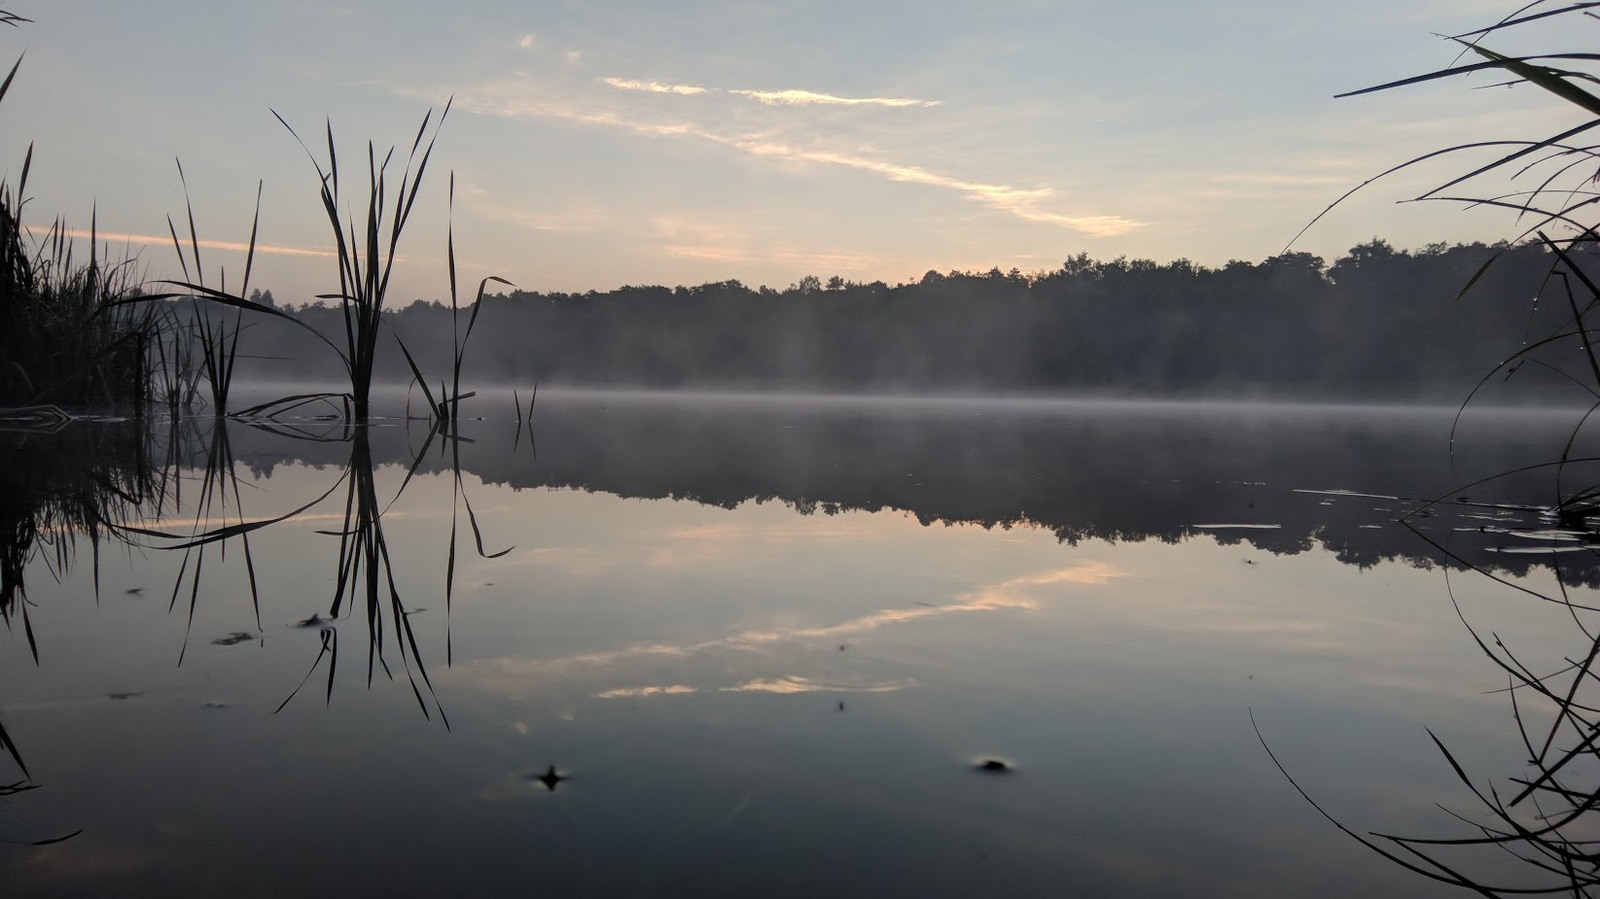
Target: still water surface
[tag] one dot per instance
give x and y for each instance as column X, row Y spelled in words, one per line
column 762, row 647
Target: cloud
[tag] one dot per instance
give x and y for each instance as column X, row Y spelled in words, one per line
column 735, row 243
column 811, row 98
column 793, row 683
column 509, row 100
column 1021, row 202
column 236, row 246
column 525, row 41
column 654, row 87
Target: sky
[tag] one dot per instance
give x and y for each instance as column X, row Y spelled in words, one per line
column 597, row 144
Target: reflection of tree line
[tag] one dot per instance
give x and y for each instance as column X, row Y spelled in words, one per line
column 1080, row 473
column 1377, row 321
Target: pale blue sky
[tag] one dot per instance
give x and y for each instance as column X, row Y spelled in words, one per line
column 597, row 144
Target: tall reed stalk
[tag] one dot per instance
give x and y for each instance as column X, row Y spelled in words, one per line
column 65, row 335
column 1546, row 814
column 366, row 254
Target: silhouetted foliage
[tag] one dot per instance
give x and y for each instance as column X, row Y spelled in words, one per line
column 1378, row 321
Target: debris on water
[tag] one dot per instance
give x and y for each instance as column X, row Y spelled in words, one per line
column 215, row 704
column 841, row 647
column 124, row 695
column 235, row 637
column 134, row 591
column 841, row 705
column 550, row 778
column 993, row 766
column 314, row 621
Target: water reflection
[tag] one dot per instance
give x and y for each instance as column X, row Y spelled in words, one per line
column 1032, row 588
column 1282, row 479
column 1541, row 814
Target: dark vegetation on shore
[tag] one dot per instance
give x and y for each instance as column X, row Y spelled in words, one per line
column 1378, row 322
column 63, row 338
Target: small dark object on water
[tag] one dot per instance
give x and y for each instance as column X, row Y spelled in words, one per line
column 994, row 766
column 314, row 621
column 123, row 695
column 235, row 637
column 841, row 647
column 134, row 591
column 841, row 705
column 550, row 778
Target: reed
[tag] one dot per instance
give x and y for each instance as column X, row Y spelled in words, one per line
column 365, row 253
column 65, row 337
column 1544, row 815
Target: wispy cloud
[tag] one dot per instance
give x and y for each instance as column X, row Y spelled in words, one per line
column 235, row 246
column 1025, row 203
column 653, row 87
column 790, row 97
column 795, row 97
column 1021, row 202
column 736, row 243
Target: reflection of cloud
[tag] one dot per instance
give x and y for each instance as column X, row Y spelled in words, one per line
column 525, row 41
column 807, row 98
column 575, row 559
column 786, row 684
column 696, row 546
column 81, row 869
column 1087, row 573
column 1008, row 595
column 638, row 692
column 653, row 87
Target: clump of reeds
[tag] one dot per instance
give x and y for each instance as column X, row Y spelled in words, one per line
column 365, row 254
column 66, row 336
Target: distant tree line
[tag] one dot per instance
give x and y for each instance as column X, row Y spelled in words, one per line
column 1377, row 321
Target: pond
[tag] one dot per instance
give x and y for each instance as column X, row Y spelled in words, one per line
column 664, row 645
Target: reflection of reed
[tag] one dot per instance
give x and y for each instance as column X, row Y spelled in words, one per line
column 366, row 575
column 60, row 486
column 84, row 482
column 1547, row 821
column 365, row 569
